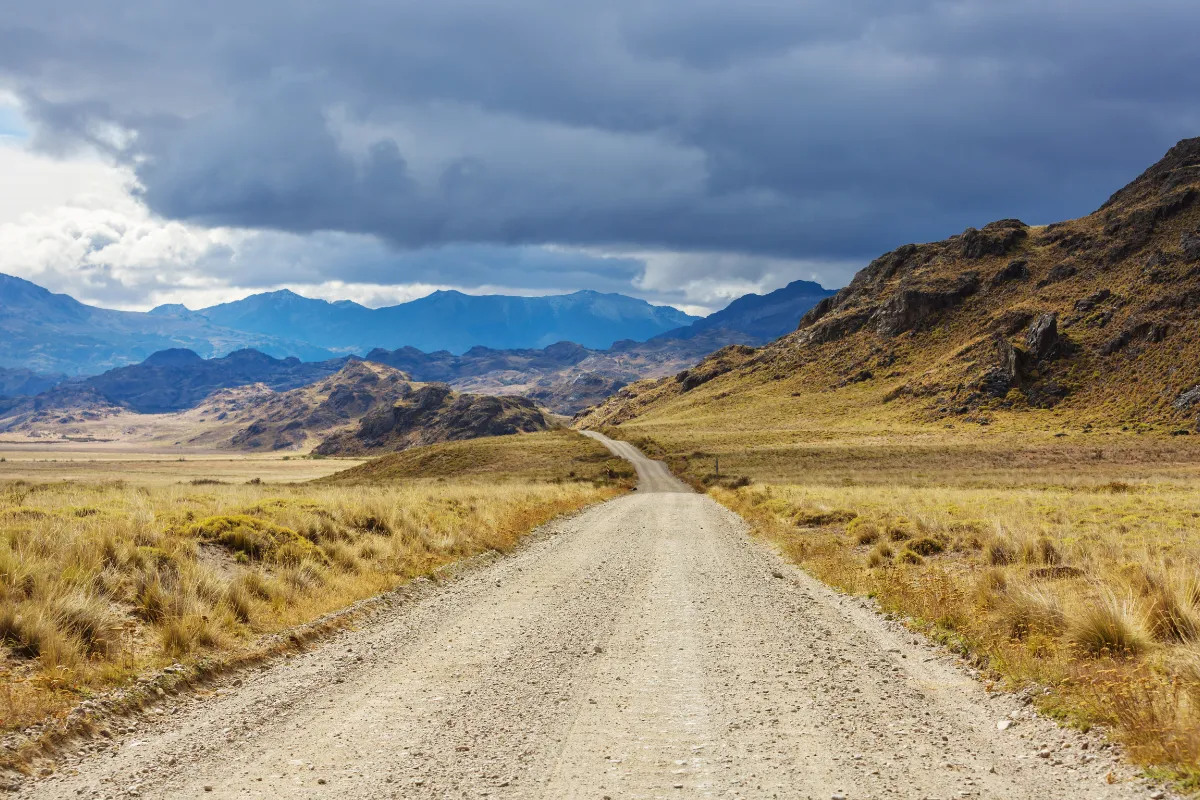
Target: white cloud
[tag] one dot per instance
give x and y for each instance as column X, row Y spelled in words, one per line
column 76, row 225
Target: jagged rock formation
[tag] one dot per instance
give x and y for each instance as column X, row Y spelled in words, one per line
column 435, row 413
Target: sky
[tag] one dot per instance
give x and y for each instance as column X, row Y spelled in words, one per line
column 683, row 151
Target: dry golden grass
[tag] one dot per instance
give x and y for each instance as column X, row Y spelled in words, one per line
column 103, row 581
column 1079, row 575
column 97, row 462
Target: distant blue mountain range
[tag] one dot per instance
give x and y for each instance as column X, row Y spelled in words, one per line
column 54, row 333
column 443, row 320
column 763, row 316
column 49, row 333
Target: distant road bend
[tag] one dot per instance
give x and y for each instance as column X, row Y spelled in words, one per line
column 645, row 648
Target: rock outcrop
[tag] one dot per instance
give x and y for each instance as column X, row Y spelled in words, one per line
column 435, row 413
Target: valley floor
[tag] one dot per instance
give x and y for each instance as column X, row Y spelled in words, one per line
column 647, row 647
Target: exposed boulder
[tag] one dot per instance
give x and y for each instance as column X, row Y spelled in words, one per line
column 720, row 362
column 818, row 311
column 1043, row 340
column 1092, row 300
column 1137, row 330
column 1058, row 274
column 1189, row 242
column 907, row 308
column 838, row 326
column 1005, row 372
column 1017, row 270
column 1187, row 399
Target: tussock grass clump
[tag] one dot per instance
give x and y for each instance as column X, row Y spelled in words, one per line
column 1000, row 552
column 925, row 546
column 254, row 538
column 1040, row 550
column 1108, row 626
column 1030, row 610
column 816, row 518
column 864, row 531
column 90, row 619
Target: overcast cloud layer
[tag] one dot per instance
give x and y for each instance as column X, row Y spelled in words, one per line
column 662, row 148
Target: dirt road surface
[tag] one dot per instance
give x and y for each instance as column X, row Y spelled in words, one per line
column 645, row 648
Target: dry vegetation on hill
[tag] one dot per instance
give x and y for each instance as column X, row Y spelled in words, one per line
column 979, row 433
column 104, row 581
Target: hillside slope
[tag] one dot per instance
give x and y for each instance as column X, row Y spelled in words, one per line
column 256, row 418
column 167, row 381
column 1086, row 322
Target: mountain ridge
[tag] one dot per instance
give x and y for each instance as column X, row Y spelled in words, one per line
column 55, row 333
column 1089, row 321
column 445, row 320
column 763, row 316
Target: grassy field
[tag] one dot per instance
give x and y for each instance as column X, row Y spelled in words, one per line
column 99, row 462
column 107, row 573
column 1070, row 562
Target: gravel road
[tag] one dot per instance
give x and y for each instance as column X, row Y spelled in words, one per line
column 647, row 647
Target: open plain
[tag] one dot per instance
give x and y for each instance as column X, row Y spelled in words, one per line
column 646, row 647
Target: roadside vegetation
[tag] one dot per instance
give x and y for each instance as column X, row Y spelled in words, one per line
column 1070, row 563
column 103, row 581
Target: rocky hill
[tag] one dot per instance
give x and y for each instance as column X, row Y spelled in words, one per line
column 1090, row 322
column 362, row 408
column 435, row 413
column 169, row 380
column 567, row 378
column 173, row 380
column 257, row 418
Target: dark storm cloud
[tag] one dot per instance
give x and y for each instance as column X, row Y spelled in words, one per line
column 819, row 130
